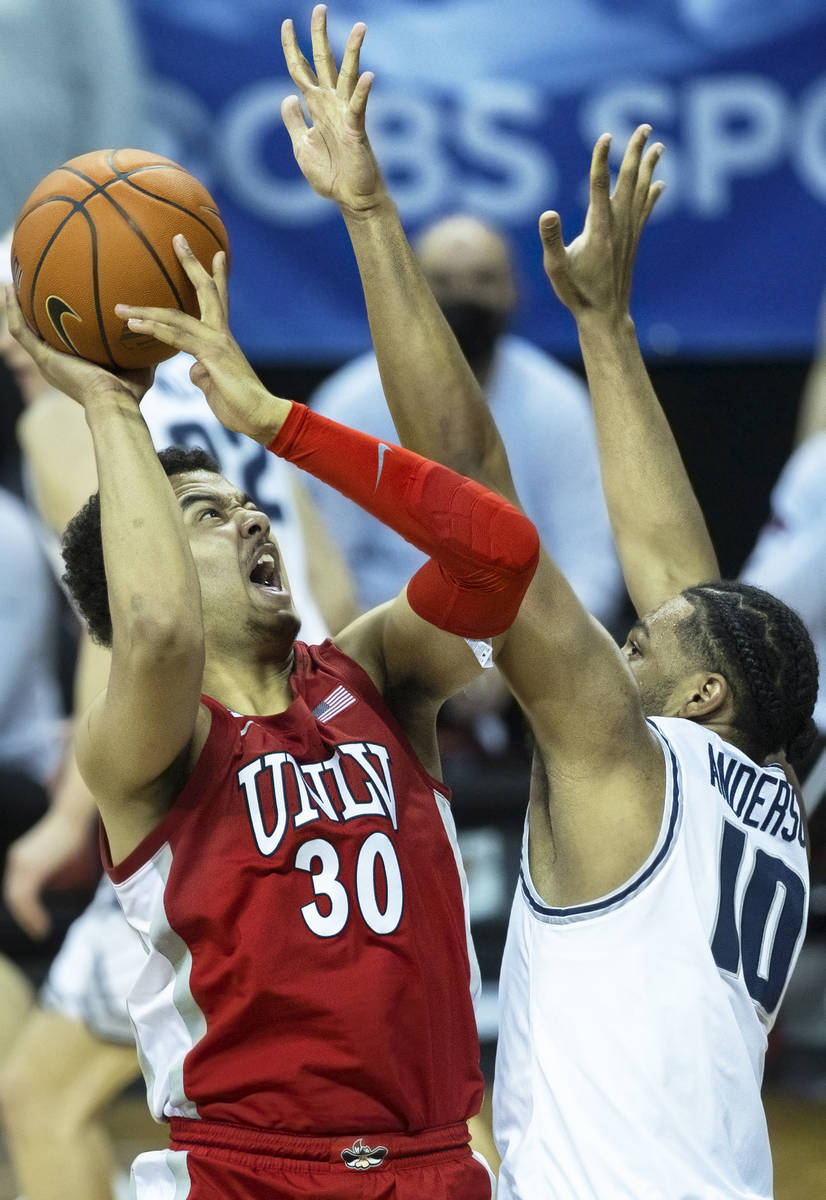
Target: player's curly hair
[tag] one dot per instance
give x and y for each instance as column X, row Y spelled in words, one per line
column 765, row 653
column 85, row 574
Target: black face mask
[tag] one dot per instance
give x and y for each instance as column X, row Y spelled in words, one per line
column 476, row 329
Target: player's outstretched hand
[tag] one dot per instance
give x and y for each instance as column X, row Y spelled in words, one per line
column 333, row 152
column 593, row 273
column 75, row 376
column 233, row 391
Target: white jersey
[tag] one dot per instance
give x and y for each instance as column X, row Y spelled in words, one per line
column 633, row 1028
column 178, row 415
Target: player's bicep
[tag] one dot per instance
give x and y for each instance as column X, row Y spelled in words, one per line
column 137, row 728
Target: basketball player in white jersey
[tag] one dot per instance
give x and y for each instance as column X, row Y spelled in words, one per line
column 663, row 893
column 76, row 1051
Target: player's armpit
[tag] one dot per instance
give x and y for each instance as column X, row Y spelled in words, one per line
column 402, row 652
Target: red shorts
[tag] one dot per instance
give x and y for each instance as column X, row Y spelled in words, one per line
column 212, row 1161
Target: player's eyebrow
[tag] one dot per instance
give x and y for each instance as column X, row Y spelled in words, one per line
column 242, row 499
column 190, row 498
column 639, row 627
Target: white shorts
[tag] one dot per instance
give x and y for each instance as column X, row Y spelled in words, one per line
column 95, row 969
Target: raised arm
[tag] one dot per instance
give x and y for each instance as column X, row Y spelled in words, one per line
column 433, row 396
column 603, row 767
column 146, row 717
column 659, row 530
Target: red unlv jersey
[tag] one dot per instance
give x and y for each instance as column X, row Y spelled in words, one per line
column 303, row 909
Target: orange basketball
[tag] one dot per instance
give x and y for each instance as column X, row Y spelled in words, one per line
column 98, row 232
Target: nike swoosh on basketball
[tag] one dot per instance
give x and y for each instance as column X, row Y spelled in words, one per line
column 57, row 311
column 382, row 449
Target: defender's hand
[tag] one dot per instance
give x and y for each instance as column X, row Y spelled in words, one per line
column 593, row 273
column 333, row 152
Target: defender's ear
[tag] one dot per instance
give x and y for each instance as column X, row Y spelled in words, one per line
column 705, row 696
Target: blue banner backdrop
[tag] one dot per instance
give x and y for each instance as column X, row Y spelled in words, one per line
column 494, row 107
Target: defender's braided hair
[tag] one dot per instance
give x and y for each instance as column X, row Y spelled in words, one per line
column 85, row 574
column 764, row 651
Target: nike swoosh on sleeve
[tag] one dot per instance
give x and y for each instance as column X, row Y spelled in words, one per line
column 382, row 449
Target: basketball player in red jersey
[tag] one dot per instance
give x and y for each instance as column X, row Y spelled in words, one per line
column 273, row 819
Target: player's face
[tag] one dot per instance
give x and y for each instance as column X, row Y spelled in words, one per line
column 655, row 654
column 243, row 580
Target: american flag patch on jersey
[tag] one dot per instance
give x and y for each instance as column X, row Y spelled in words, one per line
column 332, row 705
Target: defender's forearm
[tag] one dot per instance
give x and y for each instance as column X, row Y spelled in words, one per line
column 435, row 401
column 660, row 532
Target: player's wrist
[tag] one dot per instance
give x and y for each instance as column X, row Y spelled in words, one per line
column 370, row 208
column 614, row 323
column 266, row 416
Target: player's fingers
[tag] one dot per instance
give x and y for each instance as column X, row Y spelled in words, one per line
column 600, row 183
column 220, row 271
column 293, row 117
column 349, row 74
column 630, row 166
column 167, row 325
column 553, row 247
column 300, row 71
column 646, row 172
column 323, row 60
column 358, row 101
column 654, row 193
column 209, row 300
column 170, row 334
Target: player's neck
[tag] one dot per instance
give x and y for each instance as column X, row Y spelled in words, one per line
column 732, row 735
column 257, row 688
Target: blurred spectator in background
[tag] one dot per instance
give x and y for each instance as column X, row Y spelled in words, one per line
column 540, row 407
column 811, row 415
column 789, row 556
column 70, row 82
column 31, row 735
column 789, row 560
column 71, row 76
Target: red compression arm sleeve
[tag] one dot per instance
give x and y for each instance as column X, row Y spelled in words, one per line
column 483, row 551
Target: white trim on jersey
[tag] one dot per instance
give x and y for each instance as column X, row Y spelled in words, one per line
column 165, row 1015
column 672, row 813
column 160, row 1175
column 446, row 813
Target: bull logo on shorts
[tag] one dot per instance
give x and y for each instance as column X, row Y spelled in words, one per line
column 361, row 1158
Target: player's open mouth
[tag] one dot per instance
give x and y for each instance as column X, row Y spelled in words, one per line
column 265, row 574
